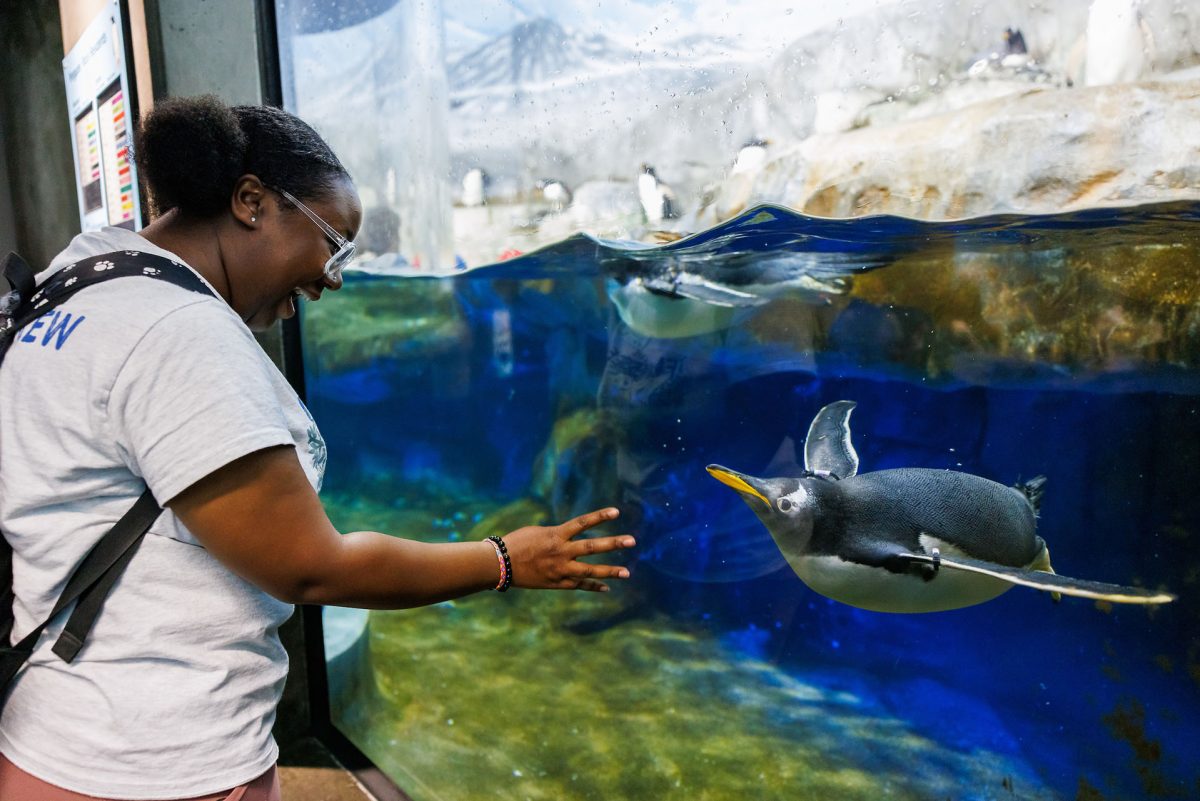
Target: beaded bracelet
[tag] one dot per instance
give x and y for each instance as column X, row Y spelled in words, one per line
column 505, row 564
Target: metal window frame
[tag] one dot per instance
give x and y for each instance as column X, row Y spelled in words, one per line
column 320, row 718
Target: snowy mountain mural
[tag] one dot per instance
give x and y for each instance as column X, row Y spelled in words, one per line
column 518, row 99
column 532, row 54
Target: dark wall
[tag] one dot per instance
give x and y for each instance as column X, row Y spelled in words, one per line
column 8, row 220
column 38, row 210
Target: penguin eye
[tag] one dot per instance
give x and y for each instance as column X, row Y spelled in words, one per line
column 785, row 505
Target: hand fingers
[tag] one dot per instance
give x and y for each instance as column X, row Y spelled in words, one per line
column 587, row 585
column 592, row 545
column 573, row 528
column 584, row 570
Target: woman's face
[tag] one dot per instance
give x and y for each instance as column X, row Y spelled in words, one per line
column 288, row 257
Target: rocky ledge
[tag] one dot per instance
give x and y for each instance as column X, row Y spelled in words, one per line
column 1042, row 151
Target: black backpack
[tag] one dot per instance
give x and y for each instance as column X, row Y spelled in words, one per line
column 21, row 303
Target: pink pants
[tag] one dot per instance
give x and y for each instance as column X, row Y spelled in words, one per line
column 17, row 785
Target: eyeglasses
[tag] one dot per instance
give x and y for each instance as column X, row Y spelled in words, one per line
column 343, row 248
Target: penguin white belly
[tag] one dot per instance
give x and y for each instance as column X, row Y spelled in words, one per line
column 651, row 197
column 1116, row 48
column 880, row 590
column 653, row 315
column 473, row 189
column 750, row 159
column 555, row 195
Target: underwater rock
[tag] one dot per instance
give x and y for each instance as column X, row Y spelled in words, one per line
column 575, row 472
column 1085, row 311
column 512, row 516
column 372, row 318
column 1040, row 152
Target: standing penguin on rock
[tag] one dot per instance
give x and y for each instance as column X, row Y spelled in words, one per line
column 556, row 193
column 658, row 199
column 750, row 157
column 1014, row 42
column 1118, row 46
column 909, row 539
column 475, row 186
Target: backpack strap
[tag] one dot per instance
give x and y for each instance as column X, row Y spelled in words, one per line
column 90, row 583
column 95, row 576
column 21, row 281
column 31, row 303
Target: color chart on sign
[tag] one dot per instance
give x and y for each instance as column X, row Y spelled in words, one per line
column 87, row 148
column 102, row 102
column 118, row 176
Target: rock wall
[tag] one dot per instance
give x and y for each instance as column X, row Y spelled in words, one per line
column 1046, row 150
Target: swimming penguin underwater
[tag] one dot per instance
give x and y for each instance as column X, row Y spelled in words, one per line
column 908, row 539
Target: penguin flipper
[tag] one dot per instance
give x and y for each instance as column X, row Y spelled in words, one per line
column 828, row 448
column 1049, row 582
column 693, row 287
column 697, row 288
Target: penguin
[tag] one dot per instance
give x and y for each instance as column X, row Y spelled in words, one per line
column 751, row 157
column 1016, row 53
column 686, row 289
column 1014, row 42
column 475, row 187
column 1119, row 44
column 658, row 200
column 908, row 539
column 1012, row 58
column 556, row 193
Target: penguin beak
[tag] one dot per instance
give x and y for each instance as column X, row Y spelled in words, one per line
column 742, row 483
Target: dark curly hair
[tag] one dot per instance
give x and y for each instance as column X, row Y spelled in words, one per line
column 190, row 151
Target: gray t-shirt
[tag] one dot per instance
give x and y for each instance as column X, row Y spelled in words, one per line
column 131, row 383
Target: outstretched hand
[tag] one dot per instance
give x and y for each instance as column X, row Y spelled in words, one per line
column 547, row 557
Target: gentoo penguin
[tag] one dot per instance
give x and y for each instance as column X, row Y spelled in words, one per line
column 658, row 201
column 556, row 193
column 1014, row 42
column 1016, row 54
column 910, row 539
column 475, row 187
column 1119, row 43
column 751, row 156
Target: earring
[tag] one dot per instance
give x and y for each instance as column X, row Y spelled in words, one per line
column 253, row 219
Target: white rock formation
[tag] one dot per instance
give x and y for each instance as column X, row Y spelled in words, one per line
column 1044, row 151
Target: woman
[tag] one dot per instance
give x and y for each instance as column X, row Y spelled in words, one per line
column 174, row 694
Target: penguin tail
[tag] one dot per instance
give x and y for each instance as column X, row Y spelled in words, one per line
column 1033, row 489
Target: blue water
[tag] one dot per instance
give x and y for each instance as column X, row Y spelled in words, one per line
column 1109, row 696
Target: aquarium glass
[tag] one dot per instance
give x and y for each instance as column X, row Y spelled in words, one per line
column 979, row 222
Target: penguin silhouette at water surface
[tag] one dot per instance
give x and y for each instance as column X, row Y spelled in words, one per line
column 908, row 539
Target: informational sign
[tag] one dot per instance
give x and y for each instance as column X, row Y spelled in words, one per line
column 98, row 97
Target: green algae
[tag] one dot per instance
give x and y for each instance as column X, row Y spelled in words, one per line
column 1127, row 722
column 370, row 318
column 1085, row 309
